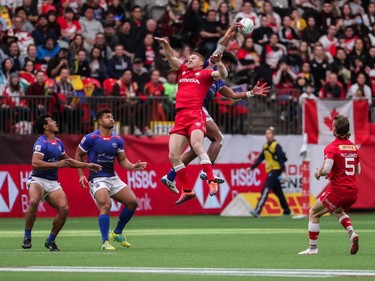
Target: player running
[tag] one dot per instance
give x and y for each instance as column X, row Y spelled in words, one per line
column 103, row 146
column 49, row 155
column 190, row 121
column 212, row 130
column 341, row 165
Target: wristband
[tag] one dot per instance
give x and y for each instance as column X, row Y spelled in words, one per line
column 249, row 94
column 220, row 49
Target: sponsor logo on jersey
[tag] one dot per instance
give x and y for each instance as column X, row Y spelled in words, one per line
column 114, row 145
column 83, row 139
column 38, row 147
column 197, row 74
column 347, row 147
column 189, row 80
column 183, row 73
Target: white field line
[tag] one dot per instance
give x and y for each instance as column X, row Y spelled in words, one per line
column 261, row 272
column 186, row 231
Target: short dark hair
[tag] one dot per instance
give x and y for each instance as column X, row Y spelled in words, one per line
column 100, row 113
column 228, row 56
column 40, row 121
column 341, row 127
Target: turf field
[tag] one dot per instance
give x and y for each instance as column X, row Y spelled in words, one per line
column 190, row 248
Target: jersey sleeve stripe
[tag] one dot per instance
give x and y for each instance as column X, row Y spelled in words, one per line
column 120, row 150
column 37, row 152
column 84, row 150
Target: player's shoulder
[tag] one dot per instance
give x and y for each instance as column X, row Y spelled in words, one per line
column 93, row 135
column 116, row 137
column 41, row 140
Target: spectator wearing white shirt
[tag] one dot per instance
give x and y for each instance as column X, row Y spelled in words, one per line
column 360, row 90
column 369, row 17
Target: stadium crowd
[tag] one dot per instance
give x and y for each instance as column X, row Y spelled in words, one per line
column 303, row 48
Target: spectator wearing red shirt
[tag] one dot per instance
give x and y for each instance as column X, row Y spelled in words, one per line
column 69, row 26
column 287, row 34
column 332, row 88
column 248, row 59
column 37, row 89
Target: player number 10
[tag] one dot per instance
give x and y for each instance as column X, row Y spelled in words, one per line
column 349, row 166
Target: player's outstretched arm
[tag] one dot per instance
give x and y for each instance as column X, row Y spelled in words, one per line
column 222, row 44
column 325, row 169
column 80, row 154
column 125, row 163
column 221, row 71
column 83, row 165
column 39, row 164
column 174, row 62
column 262, row 90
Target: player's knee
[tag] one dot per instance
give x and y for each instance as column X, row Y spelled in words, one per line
column 173, row 157
column 105, row 208
column 64, row 210
column 33, row 204
column 133, row 205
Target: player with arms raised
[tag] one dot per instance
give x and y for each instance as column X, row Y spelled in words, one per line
column 103, row 146
column 341, row 165
column 190, row 121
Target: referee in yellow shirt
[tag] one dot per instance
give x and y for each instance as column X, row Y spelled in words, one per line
column 275, row 158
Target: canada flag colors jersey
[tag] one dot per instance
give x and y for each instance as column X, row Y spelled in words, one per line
column 103, row 151
column 51, row 151
column 192, row 87
column 346, row 157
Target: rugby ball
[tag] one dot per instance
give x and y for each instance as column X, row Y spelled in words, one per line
column 248, row 26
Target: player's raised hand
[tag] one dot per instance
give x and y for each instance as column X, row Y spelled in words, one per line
column 139, row 165
column 162, row 41
column 94, row 167
column 83, row 181
column 215, row 58
column 317, row 174
column 235, row 26
column 261, row 90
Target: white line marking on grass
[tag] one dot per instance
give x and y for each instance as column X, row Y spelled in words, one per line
column 179, row 231
column 261, row 272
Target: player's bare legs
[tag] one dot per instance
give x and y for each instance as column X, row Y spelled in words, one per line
column 315, row 213
column 127, row 197
column 103, row 201
column 35, row 196
column 196, row 142
column 214, row 135
column 346, row 223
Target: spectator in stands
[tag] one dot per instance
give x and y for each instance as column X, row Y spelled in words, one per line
column 349, row 39
column 140, row 74
column 359, row 28
column 97, row 65
column 53, row 24
column 170, row 90
column 14, row 54
column 369, row 17
column 42, row 31
column 37, row 105
column 31, row 9
column 109, row 19
column 7, row 67
column 190, row 32
column 359, row 67
column 13, row 93
column 224, row 16
column 24, row 38
column 308, row 93
column 304, row 77
column 57, row 63
column 90, row 26
column 118, row 63
column 127, row 39
column 70, row 27
column 319, row 66
column 293, row 59
column 311, row 33
column 119, row 11
column 80, row 65
column 111, row 37
column 283, row 79
column 288, row 36
column 247, row 11
column 298, row 23
column 29, row 68
column 128, row 108
column 274, row 20
column 185, row 53
column 262, row 34
column 341, row 66
column 98, row 10
column 209, row 34
column 48, row 50
column 101, row 44
column 137, row 23
column 31, row 54
column 356, row 7
column 304, row 51
column 272, row 54
column 76, row 45
column 26, row 25
column 359, row 52
column 75, row 5
column 148, row 51
column 327, row 17
column 347, row 15
column 248, row 59
column 332, row 88
column 152, row 28
column 360, row 90
column 329, row 41
column 68, row 112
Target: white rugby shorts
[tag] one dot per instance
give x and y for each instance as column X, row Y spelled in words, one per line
column 208, row 116
column 48, row 186
column 112, row 184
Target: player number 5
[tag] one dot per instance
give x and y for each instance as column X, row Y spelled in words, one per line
column 349, row 166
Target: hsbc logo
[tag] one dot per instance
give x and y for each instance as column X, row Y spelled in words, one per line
column 203, row 196
column 8, row 192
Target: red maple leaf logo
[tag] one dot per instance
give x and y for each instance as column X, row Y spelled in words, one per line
column 329, row 119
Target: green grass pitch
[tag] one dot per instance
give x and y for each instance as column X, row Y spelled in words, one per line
column 189, row 248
